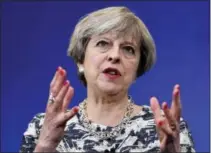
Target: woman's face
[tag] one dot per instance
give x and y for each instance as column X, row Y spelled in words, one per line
column 111, row 63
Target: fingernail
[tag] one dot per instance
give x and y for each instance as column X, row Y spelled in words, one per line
column 160, row 123
column 177, row 93
column 178, row 86
column 61, row 71
column 66, row 82
column 59, row 68
column 75, row 109
column 165, row 106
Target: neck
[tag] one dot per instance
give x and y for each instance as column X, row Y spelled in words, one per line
column 106, row 109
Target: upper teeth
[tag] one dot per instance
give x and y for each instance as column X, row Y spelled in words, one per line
column 112, row 72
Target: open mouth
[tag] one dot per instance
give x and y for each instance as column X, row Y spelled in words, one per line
column 112, row 71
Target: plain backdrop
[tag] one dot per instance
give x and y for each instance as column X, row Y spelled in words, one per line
column 34, row 41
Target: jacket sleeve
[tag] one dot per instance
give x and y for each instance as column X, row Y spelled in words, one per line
column 30, row 136
column 186, row 140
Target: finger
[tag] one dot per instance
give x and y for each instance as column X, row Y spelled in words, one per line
column 60, row 97
column 67, row 98
column 55, row 77
column 176, row 102
column 163, row 143
column 170, row 118
column 69, row 114
column 58, row 82
column 64, row 117
column 164, row 126
column 155, row 106
column 176, row 93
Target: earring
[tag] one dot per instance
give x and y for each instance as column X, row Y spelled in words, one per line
column 81, row 69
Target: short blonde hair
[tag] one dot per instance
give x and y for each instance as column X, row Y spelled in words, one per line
column 116, row 19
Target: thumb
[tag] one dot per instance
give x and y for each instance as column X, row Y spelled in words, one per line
column 64, row 117
column 69, row 114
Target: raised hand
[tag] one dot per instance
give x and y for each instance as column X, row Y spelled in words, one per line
column 56, row 115
column 168, row 123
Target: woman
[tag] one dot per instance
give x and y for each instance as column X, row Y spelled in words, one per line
column 112, row 48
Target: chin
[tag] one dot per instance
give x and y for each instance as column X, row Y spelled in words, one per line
column 109, row 87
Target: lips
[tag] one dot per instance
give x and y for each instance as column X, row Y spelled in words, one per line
column 112, row 71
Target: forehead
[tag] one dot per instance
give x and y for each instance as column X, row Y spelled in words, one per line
column 121, row 37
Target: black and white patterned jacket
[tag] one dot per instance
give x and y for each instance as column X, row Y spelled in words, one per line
column 138, row 136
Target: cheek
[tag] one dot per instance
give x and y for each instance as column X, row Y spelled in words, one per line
column 94, row 62
column 131, row 70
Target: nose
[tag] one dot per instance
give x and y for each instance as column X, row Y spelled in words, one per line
column 114, row 55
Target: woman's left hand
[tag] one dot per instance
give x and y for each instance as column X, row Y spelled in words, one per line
column 168, row 123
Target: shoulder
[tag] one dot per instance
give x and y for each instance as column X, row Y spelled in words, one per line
column 31, row 134
column 142, row 119
column 38, row 118
column 143, row 112
column 35, row 125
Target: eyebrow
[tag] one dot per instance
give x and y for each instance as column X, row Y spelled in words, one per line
column 100, row 37
column 130, row 43
column 123, row 43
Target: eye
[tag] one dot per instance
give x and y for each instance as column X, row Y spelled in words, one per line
column 129, row 50
column 102, row 43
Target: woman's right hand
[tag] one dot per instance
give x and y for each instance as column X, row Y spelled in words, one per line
column 56, row 115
